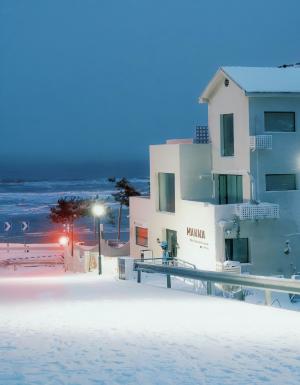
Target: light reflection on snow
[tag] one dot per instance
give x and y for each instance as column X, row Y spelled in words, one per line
column 85, row 328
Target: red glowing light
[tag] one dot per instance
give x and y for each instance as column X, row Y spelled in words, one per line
column 63, row 240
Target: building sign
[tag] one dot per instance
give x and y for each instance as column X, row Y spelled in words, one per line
column 198, row 236
column 198, row 233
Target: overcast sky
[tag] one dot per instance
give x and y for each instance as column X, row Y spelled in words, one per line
column 87, row 85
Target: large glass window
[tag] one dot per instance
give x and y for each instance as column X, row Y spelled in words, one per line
column 281, row 182
column 227, row 135
column 230, row 189
column 280, row 121
column 237, row 250
column 141, row 236
column 166, row 186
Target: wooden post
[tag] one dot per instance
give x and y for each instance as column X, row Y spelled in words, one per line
column 139, row 276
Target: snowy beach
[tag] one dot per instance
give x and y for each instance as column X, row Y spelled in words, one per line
column 73, row 329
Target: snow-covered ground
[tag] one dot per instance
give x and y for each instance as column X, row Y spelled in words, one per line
column 58, row 328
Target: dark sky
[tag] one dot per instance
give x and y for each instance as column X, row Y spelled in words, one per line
column 87, row 85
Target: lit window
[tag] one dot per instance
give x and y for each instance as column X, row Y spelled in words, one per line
column 280, row 121
column 141, row 236
column 166, row 186
column 281, row 182
column 227, row 135
column 237, row 249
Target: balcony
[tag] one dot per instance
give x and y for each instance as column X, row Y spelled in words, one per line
column 261, row 142
column 252, row 211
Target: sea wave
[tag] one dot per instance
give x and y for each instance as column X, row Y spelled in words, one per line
column 37, row 201
column 65, row 184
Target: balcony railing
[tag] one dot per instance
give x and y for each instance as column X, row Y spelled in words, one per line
column 263, row 210
column 261, row 142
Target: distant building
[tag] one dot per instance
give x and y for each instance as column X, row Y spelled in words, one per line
column 233, row 193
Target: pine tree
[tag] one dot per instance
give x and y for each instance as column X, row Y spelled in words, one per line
column 67, row 211
column 124, row 191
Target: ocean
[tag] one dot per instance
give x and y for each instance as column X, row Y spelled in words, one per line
column 30, row 202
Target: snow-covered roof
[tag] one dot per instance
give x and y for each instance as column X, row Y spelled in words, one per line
column 258, row 79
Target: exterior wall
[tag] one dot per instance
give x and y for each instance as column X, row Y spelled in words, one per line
column 270, row 236
column 228, row 100
column 141, row 211
column 189, row 163
column 164, row 158
column 196, row 215
column 195, row 172
column 199, row 251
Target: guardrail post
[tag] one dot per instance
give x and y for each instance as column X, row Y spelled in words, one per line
column 268, row 297
column 209, row 288
column 168, row 281
column 139, row 276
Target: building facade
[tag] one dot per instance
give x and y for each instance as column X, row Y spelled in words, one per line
column 235, row 196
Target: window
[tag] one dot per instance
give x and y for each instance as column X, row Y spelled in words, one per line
column 141, row 236
column 280, row 121
column 281, row 182
column 237, row 249
column 230, row 189
column 227, row 135
column 166, row 186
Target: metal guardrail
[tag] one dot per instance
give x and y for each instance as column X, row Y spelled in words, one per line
column 171, row 262
column 268, row 284
column 33, row 260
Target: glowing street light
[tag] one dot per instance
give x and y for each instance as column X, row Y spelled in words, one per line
column 63, row 241
column 98, row 211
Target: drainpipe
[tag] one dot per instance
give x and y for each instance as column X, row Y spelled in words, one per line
column 252, row 189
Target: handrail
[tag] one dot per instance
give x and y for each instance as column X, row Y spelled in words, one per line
column 171, row 261
column 185, row 263
column 259, row 282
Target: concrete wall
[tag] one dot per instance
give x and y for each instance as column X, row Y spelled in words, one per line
column 195, row 172
column 228, row 100
column 269, row 236
column 189, row 214
column 141, row 212
column 191, row 165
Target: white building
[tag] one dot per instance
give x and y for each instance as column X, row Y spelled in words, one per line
column 236, row 196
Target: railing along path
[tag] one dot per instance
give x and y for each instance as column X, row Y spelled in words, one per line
column 268, row 284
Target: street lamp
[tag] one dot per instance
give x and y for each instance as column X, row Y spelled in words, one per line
column 98, row 210
column 63, row 241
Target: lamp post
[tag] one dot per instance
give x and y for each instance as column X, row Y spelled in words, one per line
column 98, row 210
column 63, row 241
